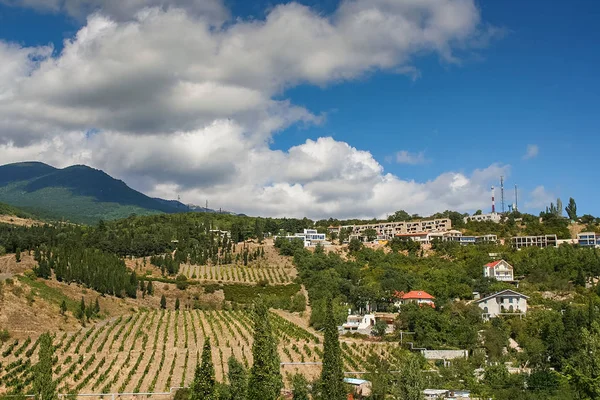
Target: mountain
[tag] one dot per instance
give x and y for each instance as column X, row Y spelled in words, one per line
column 78, row 193
column 8, row 210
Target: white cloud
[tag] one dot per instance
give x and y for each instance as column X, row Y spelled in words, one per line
column 539, row 199
column 185, row 106
column 532, row 151
column 406, row 157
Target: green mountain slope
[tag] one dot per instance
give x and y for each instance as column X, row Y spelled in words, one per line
column 78, row 193
column 6, row 209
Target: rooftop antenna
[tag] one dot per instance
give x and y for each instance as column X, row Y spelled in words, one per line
column 493, row 201
column 502, row 193
column 516, row 199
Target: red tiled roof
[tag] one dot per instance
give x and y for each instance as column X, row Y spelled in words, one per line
column 494, row 263
column 416, row 294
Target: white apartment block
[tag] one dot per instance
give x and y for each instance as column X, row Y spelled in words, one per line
column 534, row 241
column 494, row 217
column 387, row 230
column 310, row 237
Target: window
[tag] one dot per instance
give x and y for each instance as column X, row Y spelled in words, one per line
column 511, row 300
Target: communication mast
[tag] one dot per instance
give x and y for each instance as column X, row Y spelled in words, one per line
column 493, row 201
column 516, row 207
column 502, row 193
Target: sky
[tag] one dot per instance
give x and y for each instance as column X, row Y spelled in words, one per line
column 346, row 109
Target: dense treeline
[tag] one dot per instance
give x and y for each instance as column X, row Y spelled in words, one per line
column 103, row 272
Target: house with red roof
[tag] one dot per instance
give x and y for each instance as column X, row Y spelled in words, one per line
column 499, row 270
column 414, row 296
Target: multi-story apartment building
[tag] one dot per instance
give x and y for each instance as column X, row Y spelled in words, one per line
column 588, row 239
column 387, row 230
column 310, row 237
column 534, row 241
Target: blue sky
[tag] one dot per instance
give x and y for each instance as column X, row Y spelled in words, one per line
column 533, row 85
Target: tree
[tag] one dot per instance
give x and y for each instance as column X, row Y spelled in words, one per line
column 299, row 387
column 18, row 255
column 163, row 302
column 370, row 234
column 177, row 303
column 379, row 328
column 478, row 212
column 63, row 307
column 181, row 282
column 97, row 307
column 203, row 386
column 43, row 385
column 81, row 311
column 238, row 379
column 149, row 288
column 571, row 209
column 583, row 369
column 355, row 245
column 410, row 381
column 265, row 381
column 332, row 375
column 379, row 375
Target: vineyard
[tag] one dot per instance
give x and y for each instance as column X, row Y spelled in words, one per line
column 239, row 274
column 156, row 350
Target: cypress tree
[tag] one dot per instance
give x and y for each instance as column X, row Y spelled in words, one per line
column 63, row 307
column 265, row 380
column 203, row 386
column 238, row 379
column 149, row 288
column 43, row 385
column 163, row 302
column 18, row 255
column 332, row 374
column 97, row 307
column 177, row 304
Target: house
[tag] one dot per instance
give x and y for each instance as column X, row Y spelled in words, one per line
column 588, row 239
column 494, row 217
column 504, row 302
column 310, row 237
column 414, row 296
column 364, row 323
column 499, row 270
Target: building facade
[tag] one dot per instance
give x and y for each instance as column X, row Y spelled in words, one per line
column 310, row 237
column 519, row 242
column 416, row 296
column 494, row 217
column 388, row 230
column 588, row 239
column 504, row 302
column 499, row 270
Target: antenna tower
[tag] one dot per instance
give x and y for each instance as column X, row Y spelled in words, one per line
column 502, row 193
column 493, row 201
column 516, row 199
column 206, row 205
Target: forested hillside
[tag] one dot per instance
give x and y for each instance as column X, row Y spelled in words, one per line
column 78, row 193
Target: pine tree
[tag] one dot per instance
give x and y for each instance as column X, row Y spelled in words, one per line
column 571, row 209
column 332, row 374
column 177, row 304
column 163, row 302
column 203, row 386
column 265, row 380
column 43, row 386
column 238, row 379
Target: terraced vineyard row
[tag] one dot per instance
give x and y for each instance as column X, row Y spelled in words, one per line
column 153, row 351
column 237, row 273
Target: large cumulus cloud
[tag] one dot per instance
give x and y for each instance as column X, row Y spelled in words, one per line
column 165, row 96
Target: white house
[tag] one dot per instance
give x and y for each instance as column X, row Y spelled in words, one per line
column 364, row 323
column 310, row 237
column 499, row 270
column 494, row 217
column 504, row 302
